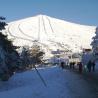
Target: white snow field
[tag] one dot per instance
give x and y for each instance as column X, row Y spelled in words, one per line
column 51, row 33
column 60, row 84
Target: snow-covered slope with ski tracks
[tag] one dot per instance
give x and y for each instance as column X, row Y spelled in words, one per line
column 51, row 33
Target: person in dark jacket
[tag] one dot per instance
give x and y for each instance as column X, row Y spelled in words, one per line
column 80, row 67
column 62, row 65
column 93, row 66
column 89, row 65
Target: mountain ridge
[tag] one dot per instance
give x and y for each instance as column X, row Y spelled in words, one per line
column 54, row 18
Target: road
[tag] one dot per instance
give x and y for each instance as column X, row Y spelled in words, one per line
column 61, row 83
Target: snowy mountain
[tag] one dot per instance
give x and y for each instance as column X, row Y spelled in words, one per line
column 51, row 33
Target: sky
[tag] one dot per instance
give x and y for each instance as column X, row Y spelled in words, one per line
column 77, row 11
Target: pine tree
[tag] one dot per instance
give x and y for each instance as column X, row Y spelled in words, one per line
column 8, row 55
column 95, row 45
column 24, row 55
column 36, row 54
column 31, row 56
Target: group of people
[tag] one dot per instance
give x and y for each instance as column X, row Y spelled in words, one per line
column 79, row 65
column 90, row 66
column 72, row 65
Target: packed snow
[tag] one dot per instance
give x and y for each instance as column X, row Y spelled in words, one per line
column 51, row 33
column 60, row 84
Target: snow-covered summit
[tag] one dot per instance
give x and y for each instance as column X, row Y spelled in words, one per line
column 51, row 33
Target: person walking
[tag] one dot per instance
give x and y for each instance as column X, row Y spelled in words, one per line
column 80, row 67
column 62, row 65
column 89, row 66
column 93, row 66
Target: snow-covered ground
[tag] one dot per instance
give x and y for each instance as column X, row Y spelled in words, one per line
column 60, row 84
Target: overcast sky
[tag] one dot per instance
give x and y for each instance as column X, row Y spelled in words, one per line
column 78, row 11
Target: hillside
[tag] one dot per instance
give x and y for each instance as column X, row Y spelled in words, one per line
column 50, row 33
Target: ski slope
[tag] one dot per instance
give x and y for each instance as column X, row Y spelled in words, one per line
column 60, row 84
column 51, row 33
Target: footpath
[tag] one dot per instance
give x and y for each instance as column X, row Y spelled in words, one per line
column 90, row 77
